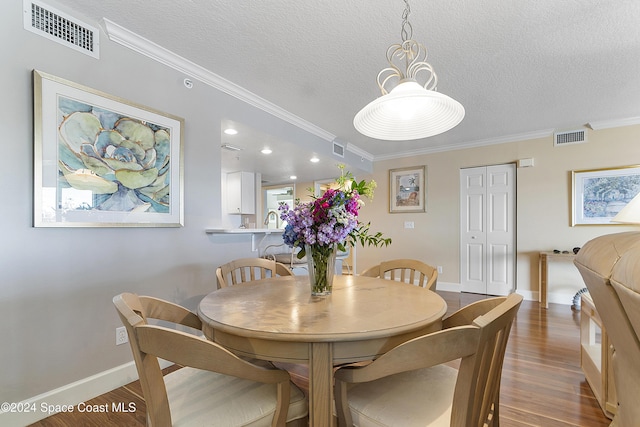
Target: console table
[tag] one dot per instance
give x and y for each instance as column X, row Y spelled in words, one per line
column 543, row 285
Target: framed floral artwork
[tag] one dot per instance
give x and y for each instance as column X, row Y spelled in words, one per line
column 599, row 194
column 102, row 161
column 407, row 189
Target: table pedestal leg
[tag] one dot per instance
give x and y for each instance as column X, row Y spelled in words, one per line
column 321, row 385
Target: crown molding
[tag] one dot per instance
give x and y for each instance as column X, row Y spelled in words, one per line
column 133, row 41
column 471, row 144
column 607, row 124
column 359, row 152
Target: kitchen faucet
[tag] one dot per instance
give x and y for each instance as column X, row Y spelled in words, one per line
column 266, row 220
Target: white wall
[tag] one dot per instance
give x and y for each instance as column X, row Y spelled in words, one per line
column 57, row 321
column 543, row 205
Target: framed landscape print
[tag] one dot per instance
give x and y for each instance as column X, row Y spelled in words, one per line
column 407, row 189
column 102, row 161
column 599, row 194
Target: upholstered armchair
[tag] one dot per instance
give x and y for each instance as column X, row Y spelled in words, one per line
column 610, row 266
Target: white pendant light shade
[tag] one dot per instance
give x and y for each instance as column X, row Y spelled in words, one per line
column 630, row 214
column 408, row 112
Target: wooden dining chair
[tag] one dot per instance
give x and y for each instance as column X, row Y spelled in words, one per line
column 405, row 270
column 412, row 384
column 285, row 255
column 247, row 269
column 213, row 384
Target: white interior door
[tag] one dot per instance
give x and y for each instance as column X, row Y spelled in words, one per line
column 487, row 229
column 473, row 230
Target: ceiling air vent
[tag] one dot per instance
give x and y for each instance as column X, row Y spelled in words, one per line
column 57, row 26
column 569, row 137
column 338, row 149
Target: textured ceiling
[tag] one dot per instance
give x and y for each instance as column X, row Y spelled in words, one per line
column 518, row 67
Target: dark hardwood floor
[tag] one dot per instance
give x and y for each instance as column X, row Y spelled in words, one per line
column 542, row 383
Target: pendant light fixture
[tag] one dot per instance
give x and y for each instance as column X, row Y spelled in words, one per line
column 410, row 110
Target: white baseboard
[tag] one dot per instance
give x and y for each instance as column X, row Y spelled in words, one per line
column 527, row 295
column 560, row 298
column 447, row 286
column 71, row 394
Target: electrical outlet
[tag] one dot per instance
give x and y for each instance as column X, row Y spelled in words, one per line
column 408, row 224
column 439, row 269
column 121, row 335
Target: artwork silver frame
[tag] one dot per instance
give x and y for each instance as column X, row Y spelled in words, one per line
column 408, row 189
column 599, row 194
column 102, row 161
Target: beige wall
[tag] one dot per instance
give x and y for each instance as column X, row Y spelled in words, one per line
column 302, row 191
column 543, row 203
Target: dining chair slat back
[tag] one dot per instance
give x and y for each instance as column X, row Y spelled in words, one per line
column 201, row 390
column 405, row 270
column 248, row 269
column 413, row 383
column 286, row 255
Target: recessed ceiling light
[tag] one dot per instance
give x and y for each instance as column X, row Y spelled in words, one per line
column 293, row 177
column 314, row 160
column 230, row 131
column 266, row 151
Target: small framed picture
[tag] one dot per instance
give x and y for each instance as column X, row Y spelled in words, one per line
column 599, row 194
column 408, row 189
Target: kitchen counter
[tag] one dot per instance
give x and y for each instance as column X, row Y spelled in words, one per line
column 256, row 241
column 244, row 230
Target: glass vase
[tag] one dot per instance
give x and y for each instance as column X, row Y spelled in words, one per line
column 321, row 262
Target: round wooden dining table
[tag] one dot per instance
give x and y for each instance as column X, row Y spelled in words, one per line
column 277, row 319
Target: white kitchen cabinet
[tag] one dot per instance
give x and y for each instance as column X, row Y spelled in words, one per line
column 241, row 193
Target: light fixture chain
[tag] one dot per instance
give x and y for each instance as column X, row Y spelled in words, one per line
column 407, row 29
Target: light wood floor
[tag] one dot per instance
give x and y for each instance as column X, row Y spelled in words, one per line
column 542, row 384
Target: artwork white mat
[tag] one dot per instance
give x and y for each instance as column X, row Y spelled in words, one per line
column 102, row 161
column 599, row 194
